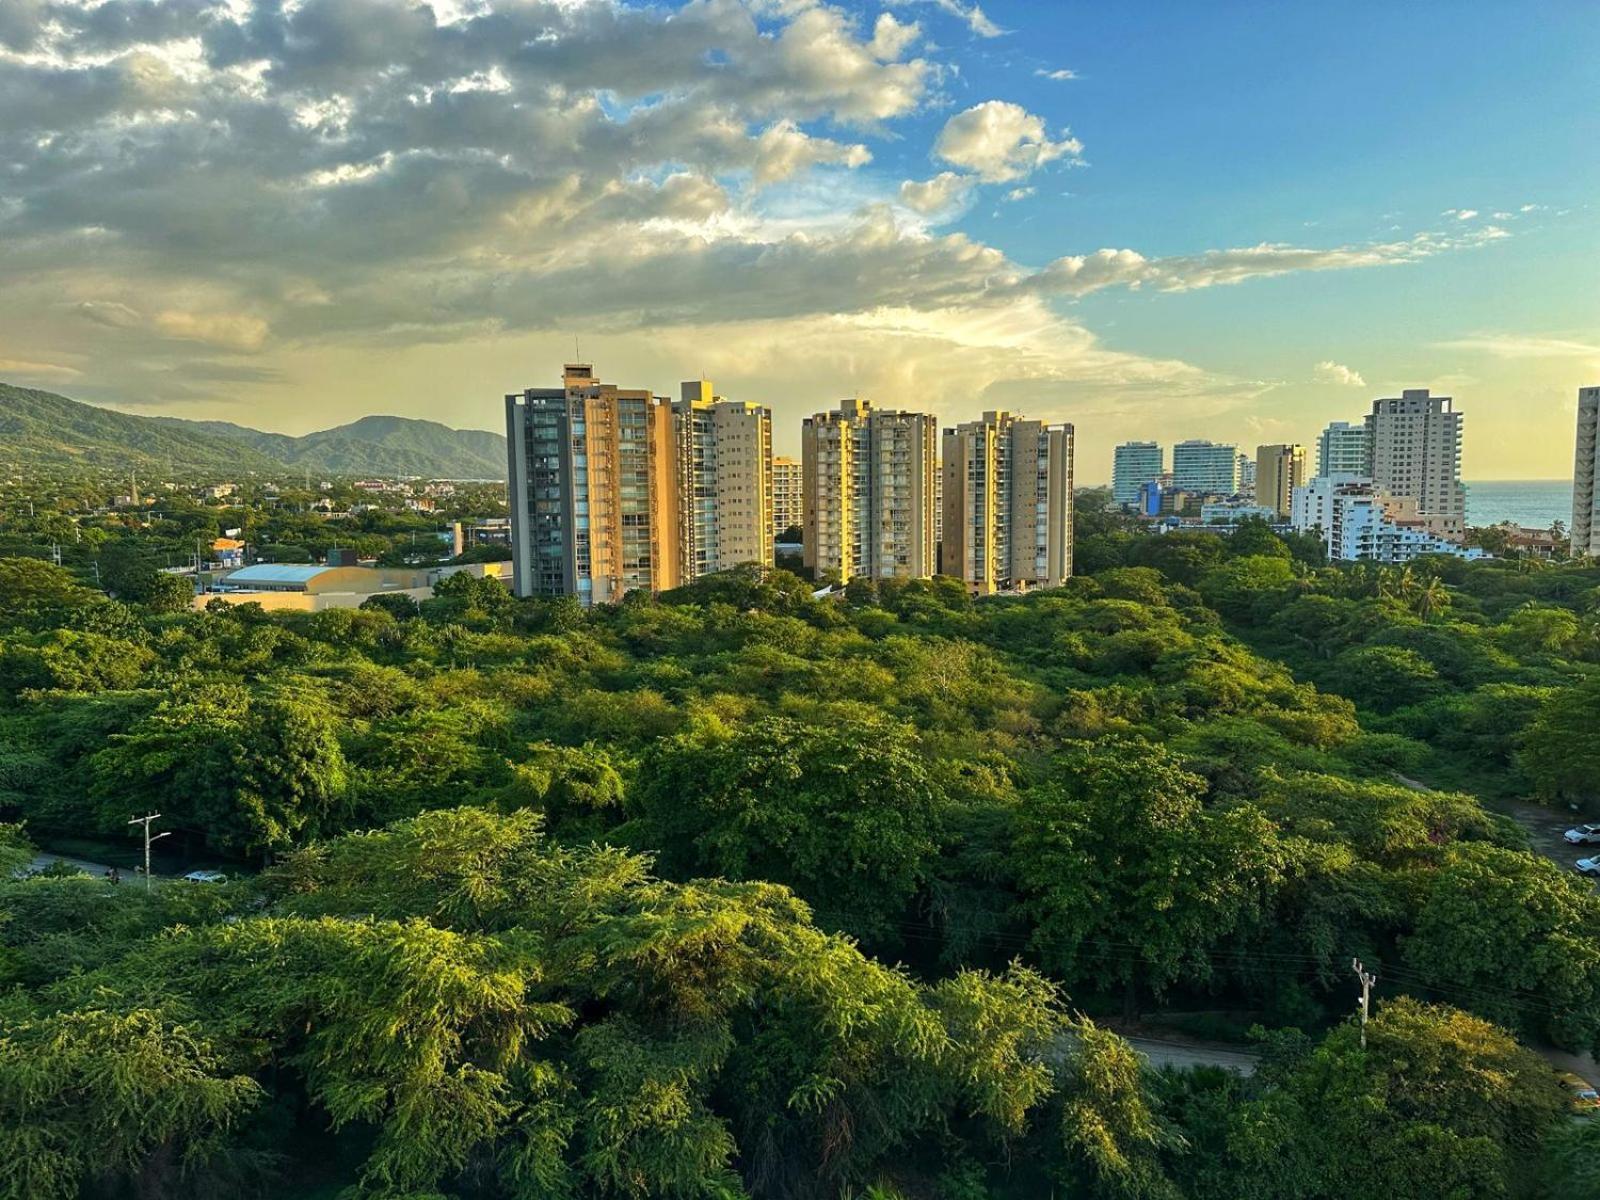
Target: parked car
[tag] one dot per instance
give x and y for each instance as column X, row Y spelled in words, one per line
column 1584, row 1097
column 1588, row 866
column 1581, row 835
column 205, row 877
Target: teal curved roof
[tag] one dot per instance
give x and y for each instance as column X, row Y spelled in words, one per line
column 277, row 573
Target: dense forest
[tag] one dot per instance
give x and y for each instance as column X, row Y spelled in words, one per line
column 736, row 892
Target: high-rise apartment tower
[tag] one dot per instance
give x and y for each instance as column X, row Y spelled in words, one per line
column 1007, row 504
column 725, row 486
column 1279, row 470
column 1586, row 476
column 1134, row 464
column 1344, row 449
column 788, row 494
column 1205, row 468
column 1416, row 455
column 593, row 489
column 868, row 479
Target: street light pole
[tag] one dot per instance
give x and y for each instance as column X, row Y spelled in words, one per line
column 148, row 838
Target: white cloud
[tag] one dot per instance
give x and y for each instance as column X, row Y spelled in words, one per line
column 1328, row 371
column 414, row 181
column 943, row 192
column 1061, row 74
column 1461, row 214
column 784, row 150
column 1001, row 141
column 1021, row 193
column 1512, row 345
column 1081, row 274
column 891, row 38
column 972, row 15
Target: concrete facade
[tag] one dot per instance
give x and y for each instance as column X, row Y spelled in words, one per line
column 788, row 494
column 1586, row 476
column 868, row 481
column 725, row 485
column 1358, row 522
column 1280, row 469
column 1007, row 504
column 1416, row 454
column 1132, row 465
column 1205, row 468
column 593, row 490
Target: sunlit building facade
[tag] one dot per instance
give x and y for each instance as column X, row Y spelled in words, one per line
column 868, row 481
column 1007, row 504
column 593, row 490
column 725, row 484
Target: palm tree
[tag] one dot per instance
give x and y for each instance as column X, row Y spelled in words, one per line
column 1431, row 598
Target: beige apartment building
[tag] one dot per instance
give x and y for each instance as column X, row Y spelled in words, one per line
column 1586, row 476
column 1416, row 454
column 725, row 481
column 1279, row 470
column 593, row 490
column 788, row 494
column 1007, row 504
column 868, row 478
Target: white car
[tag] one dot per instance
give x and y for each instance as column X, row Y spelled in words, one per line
column 1581, row 835
column 1587, row 866
column 205, row 877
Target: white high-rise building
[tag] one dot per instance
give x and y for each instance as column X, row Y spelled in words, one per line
column 1007, row 504
column 869, row 482
column 1586, row 476
column 1133, row 464
column 725, row 493
column 1246, row 475
column 1345, row 449
column 1205, row 468
column 1358, row 523
column 1416, row 455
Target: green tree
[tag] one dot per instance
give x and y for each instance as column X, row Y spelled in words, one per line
column 1127, row 878
column 252, row 772
column 1560, row 751
column 847, row 814
column 1518, row 936
column 93, row 1095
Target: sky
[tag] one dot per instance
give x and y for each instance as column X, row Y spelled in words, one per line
column 1156, row 220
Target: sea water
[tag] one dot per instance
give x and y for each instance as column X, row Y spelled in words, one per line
column 1536, row 503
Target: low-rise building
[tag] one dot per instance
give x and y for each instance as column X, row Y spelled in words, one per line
column 297, row 587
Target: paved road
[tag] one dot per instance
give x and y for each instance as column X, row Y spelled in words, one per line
column 97, row 869
column 40, row 861
column 1163, row 1053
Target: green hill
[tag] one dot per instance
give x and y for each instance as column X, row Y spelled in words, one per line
column 379, row 445
column 41, row 431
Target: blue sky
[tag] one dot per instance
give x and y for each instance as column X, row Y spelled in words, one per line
column 1162, row 220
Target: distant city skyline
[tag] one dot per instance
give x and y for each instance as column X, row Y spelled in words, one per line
column 1155, row 230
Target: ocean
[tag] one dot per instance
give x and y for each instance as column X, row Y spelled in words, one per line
column 1536, row 503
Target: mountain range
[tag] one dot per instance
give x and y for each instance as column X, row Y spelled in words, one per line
column 44, row 431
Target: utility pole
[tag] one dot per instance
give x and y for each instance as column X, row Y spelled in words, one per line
column 1367, row 980
column 148, row 838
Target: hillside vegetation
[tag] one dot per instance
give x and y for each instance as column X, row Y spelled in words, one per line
column 45, row 434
